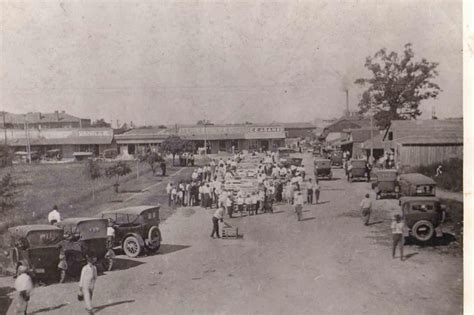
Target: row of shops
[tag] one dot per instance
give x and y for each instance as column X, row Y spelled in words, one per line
column 72, row 141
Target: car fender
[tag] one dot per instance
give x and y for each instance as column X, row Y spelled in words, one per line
column 138, row 236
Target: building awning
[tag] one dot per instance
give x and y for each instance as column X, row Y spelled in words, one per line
column 140, row 141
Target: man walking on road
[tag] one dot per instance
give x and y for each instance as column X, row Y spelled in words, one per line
column 299, row 205
column 317, row 190
column 310, row 192
column 366, row 207
column 87, row 283
column 397, row 235
column 218, row 216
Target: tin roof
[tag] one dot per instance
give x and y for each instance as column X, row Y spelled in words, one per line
column 37, row 117
column 25, row 229
column 131, row 210
column 418, row 179
column 447, row 131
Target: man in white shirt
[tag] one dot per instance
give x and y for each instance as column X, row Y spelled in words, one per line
column 397, row 235
column 299, row 205
column 24, row 287
column 87, row 282
column 169, row 188
column 218, row 216
column 54, row 216
column 283, row 171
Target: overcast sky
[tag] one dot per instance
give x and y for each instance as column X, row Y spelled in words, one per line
column 155, row 62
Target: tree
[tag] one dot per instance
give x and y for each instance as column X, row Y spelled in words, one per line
column 175, row 145
column 153, row 159
column 100, row 123
column 6, row 156
column 397, row 86
column 7, row 193
column 116, row 171
column 92, row 170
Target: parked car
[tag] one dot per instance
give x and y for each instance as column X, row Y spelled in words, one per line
column 292, row 161
column 415, row 184
column 22, row 156
column 322, row 168
column 386, row 184
column 37, row 248
column 84, row 237
column 109, row 154
column 54, row 154
column 136, row 228
column 359, row 170
column 336, row 158
column 423, row 216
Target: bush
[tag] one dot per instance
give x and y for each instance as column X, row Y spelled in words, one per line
column 451, row 177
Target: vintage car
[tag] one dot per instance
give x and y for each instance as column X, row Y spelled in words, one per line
column 322, row 168
column 109, row 154
column 359, row 171
column 136, row 228
column 83, row 237
column 37, row 248
column 415, row 184
column 291, row 161
column 386, row 184
column 336, row 158
column 22, row 156
column 423, row 216
column 54, row 154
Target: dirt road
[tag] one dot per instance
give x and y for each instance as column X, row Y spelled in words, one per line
column 330, row 263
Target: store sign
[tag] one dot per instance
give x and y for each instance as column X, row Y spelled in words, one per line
column 266, row 129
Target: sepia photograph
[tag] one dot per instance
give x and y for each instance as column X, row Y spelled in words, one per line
column 233, row 157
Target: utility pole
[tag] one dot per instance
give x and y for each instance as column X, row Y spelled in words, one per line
column 205, row 138
column 372, row 136
column 347, row 102
column 28, row 147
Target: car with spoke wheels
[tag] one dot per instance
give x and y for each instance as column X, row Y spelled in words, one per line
column 83, row 237
column 136, row 229
column 386, row 184
column 423, row 216
column 37, row 248
column 322, row 168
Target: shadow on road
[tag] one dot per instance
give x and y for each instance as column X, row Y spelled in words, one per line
column 375, row 223
column 49, row 309
column 170, row 248
column 5, row 300
column 308, row 219
column 124, row 264
column 97, row 309
column 281, row 211
column 410, row 255
column 322, row 202
column 444, row 240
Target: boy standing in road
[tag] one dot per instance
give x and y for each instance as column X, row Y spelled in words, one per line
column 87, row 283
column 24, row 286
column 317, row 190
column 397, row 235
column 366, row 207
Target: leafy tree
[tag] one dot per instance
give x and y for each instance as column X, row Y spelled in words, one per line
column 6, row 156
column 176, row 145
column 100, row 123
column 92, row 170
column 7, row 193
column 153, row 159
column 397, row 86
column 116, row 171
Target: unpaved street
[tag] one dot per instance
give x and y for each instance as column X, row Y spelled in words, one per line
column 329, row 263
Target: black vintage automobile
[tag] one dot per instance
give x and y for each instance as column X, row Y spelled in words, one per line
column 322, row 169
column 37, row 248
column 423, row 216
column 386, row 184
column 359, row 171
column 84, row 237
column 336, row 158
column 415, row 184
column 136, row 228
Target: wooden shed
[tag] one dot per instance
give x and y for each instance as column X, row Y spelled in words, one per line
column 424, row 142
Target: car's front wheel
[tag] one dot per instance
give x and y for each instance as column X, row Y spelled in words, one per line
column 132, row 247
column 423, row 230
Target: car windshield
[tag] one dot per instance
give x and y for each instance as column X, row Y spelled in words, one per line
column 423, row 206
column 424, row 189
column 44, row 238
